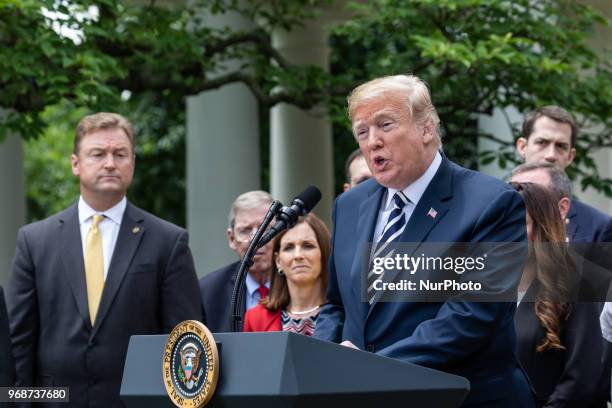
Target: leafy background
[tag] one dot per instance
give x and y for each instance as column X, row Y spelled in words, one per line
column 142, row 59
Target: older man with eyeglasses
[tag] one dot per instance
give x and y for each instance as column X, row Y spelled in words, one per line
column 246, row 214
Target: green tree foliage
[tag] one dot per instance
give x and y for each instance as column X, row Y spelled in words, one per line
column 142, row 59
column 127, row 46
column 480, row 54
column 50, row 185
column 159, row 179
column 39, row 68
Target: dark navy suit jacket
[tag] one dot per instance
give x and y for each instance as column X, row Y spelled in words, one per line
column 216, row 290
column 561, row 378
column 474, row 340
column 588, row 224
column 590, row 230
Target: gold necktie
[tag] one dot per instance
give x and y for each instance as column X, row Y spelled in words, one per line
column 94, row 267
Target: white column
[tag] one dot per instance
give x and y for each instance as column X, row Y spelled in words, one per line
column 12, row 201
column 301, row 142
column 497, row 125
column 223, row 161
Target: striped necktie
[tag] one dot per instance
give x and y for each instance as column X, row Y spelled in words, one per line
column 396, row 223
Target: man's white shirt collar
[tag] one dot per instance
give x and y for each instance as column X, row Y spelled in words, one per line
column 114, row 213
column 416, row 189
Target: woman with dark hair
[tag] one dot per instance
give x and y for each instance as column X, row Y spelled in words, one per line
column 557, row 341
column 298, row 282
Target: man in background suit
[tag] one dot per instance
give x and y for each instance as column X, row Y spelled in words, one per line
column 86, row 279
column 356, row 170
column 549, row 134
column 420, row 196
column 247, row 213
column 553, row 177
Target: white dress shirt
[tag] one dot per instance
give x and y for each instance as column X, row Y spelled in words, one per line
column 108, row 227
column 414, row 192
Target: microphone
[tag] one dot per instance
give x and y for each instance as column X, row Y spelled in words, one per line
column 287, row 217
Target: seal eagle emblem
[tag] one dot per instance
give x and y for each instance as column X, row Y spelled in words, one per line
column 190, row 365
column 190, row 362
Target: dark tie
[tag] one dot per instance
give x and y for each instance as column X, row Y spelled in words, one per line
column 396, row 223
column 263, row 291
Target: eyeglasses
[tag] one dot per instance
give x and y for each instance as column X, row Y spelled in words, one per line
column 244, row 234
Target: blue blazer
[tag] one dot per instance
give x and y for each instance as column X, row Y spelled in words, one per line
column 588, row 224
column 474, row 340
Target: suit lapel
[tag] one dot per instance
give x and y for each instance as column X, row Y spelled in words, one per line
column 130, row 235
column 72, row 259
column 431, row 208
column 425, row 216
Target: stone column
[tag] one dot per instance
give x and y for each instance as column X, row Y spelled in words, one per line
column 223, row 161
column 497, row 125
column 12, row 201
column 301, row 142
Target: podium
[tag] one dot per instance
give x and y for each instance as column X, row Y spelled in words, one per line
column 278, row 369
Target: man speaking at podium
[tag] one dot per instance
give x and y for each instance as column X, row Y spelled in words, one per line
column 418, row 195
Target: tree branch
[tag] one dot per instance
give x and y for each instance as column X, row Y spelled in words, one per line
column 257, row 37
column 494, row 139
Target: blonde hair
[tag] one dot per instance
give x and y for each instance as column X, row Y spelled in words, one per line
column 102, row 120
column 415, row 91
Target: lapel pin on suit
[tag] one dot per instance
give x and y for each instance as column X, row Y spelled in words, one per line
column 135, row 230
column 432, row 213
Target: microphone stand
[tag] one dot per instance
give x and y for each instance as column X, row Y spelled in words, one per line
column 245, row 265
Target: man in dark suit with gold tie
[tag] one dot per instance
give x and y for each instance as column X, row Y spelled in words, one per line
column 86, row 279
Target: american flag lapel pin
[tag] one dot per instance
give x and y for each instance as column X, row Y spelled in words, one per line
column 432, row 213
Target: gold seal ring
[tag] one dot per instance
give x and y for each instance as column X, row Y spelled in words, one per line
column 190, row 365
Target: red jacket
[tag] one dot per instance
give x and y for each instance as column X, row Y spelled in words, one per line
column 260, row 319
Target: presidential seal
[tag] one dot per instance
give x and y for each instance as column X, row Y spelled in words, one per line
column 191, row 365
